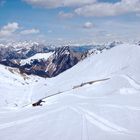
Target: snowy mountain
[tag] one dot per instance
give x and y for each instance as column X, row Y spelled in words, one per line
column 45, row 64
column 22, row 50
column 38, row 56
column 97, row 99
column 33, row 58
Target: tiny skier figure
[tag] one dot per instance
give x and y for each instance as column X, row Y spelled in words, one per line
column 38, row 103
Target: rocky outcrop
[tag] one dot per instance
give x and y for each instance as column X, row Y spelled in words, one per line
column 62, row 59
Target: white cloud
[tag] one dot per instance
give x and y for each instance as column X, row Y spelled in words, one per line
column 9, row 29
column 59, row 3
column 90, row 7
column 12, row 32
column 30, row 31
column 109, row 9
column 65, row 15
column 88, row 25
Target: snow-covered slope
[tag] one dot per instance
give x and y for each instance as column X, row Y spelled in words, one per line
column 37, row 56
column 97, row 99
column 15, row 88
column 121, row 62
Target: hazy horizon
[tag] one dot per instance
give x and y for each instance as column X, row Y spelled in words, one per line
column 70, row 22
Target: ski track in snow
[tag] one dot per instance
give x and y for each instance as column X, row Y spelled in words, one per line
column 120, row 106
column 87, row 115
column 100, row 121
column 29, row 119
column 132, row 81
column 19, row 122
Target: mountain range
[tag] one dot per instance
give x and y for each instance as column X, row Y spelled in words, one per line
column 46, row 61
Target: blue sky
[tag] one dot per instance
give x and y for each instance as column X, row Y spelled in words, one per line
column 71, row 21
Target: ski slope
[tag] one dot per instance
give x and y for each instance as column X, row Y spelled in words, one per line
column 98, row 99
column 15, row 88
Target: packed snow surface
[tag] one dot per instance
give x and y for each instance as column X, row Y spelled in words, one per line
column 98, row 99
